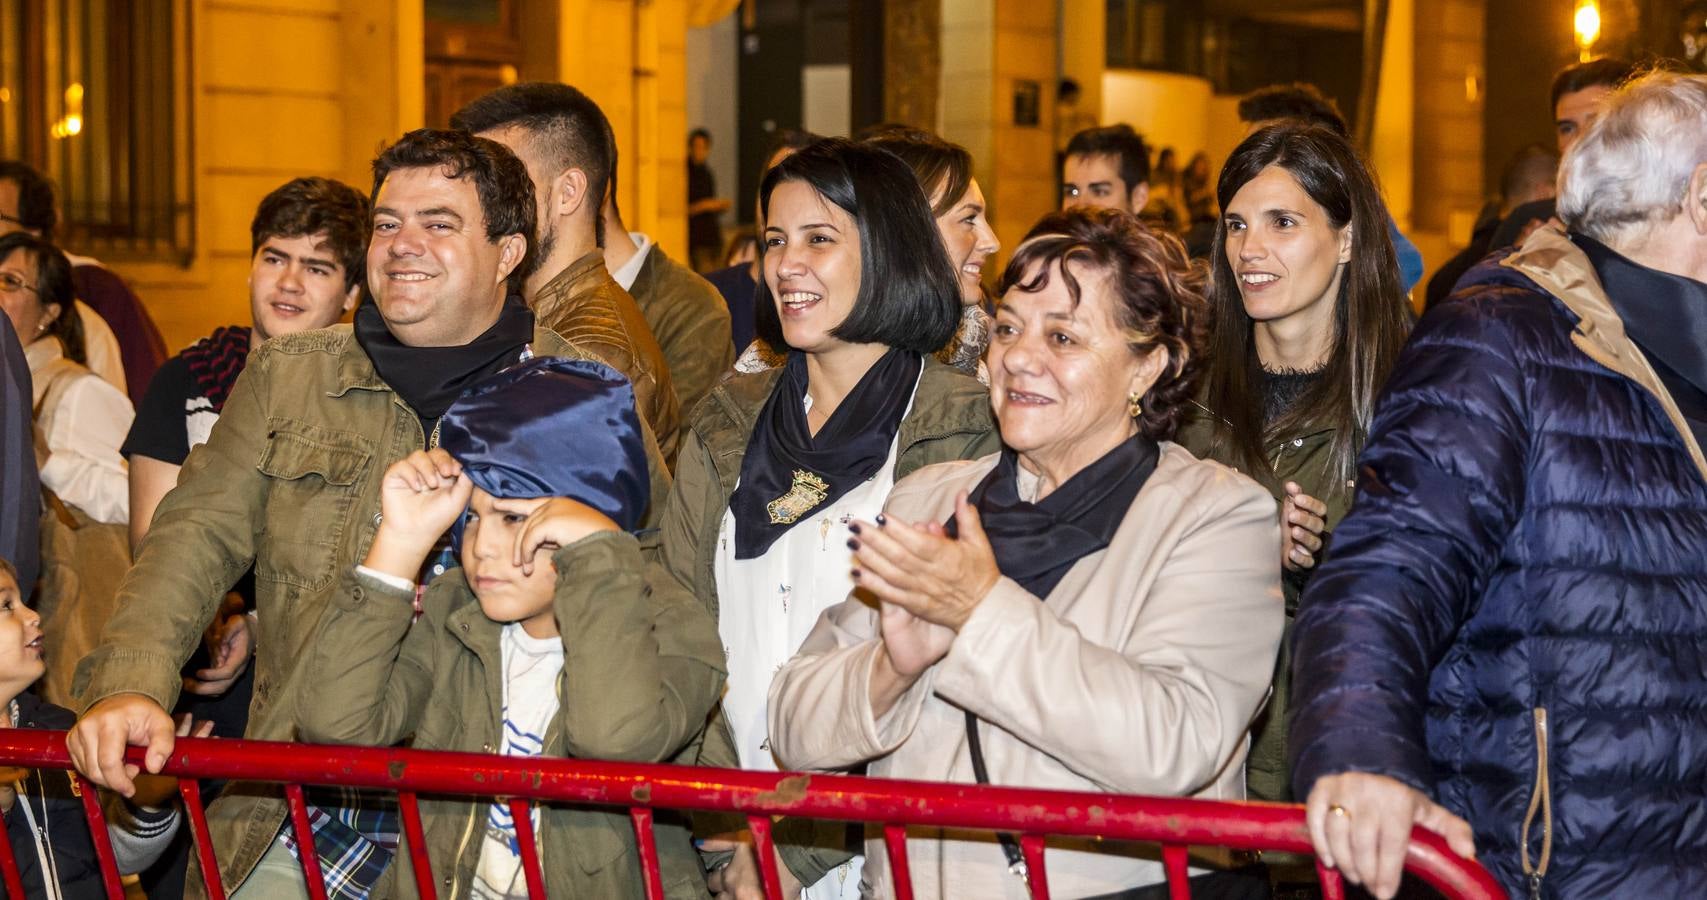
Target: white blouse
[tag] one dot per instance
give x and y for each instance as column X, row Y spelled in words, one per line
column 84, row 431
column 768, row 605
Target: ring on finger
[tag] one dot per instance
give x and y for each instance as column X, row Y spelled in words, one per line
column 1338, row 810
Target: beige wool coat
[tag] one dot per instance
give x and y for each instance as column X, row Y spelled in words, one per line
column 1140, row 674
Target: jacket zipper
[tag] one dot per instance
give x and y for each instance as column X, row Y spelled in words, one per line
column 1540, row 799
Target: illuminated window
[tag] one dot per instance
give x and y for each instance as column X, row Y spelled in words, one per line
column 95, row 94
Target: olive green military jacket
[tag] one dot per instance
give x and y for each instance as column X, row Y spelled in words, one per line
column 641, row 671
column 288, row 482
column 950, row 419
column 1305, row 459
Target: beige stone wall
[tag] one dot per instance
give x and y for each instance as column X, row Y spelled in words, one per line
column 282, row 88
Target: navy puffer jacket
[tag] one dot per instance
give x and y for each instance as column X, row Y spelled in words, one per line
column 1528, row 540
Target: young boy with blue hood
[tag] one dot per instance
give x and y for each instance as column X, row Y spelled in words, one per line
column 545, row 640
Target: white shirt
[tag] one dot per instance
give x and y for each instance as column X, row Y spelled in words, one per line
column 101, row 346
column 630, row 270
column 769, row 604
column 531, row 667
column 84, row 431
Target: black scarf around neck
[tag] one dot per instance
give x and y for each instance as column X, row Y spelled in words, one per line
column 788, row 471
column 429, row 379
column 1036, row 543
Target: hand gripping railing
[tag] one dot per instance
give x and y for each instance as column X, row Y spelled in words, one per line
column 1034, row 815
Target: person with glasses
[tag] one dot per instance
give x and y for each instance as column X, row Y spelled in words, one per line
column 80, row 418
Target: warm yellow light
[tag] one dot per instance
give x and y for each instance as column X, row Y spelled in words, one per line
column 1587, row 22
column 5, row 95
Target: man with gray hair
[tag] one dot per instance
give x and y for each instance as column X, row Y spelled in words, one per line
column 1508, row 643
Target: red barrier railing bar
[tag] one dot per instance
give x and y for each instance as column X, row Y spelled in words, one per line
column 191, row 791
column 1178, row 869
column 1239, row 826
column 900, row 870
column 306, row 851
column 764, row 851
column 1037, row 877
column 98, row 830
column 521, row 816
column 648, row 846
column 409, row 808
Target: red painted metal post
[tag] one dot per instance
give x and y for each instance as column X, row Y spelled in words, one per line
column 1031, row 845
column 648, row 845
column 521, row 816
column 306, row 852
column 409, row 807
column 1175, row 863
column 98, row 831
column 1333, row 887
column 9, row 869
column 765, row 851
column 191, row 791
column 900, row 870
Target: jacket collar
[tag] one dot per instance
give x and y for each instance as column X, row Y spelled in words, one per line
column 577, row 279
column 1562, row 269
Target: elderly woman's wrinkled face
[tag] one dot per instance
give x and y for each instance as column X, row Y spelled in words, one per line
column 812, row 261
column 1061, row 373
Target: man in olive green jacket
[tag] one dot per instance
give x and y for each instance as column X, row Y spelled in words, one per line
column 949, row 420
column 289, row 479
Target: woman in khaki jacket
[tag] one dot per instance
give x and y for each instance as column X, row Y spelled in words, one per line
column 1106, row 618
column 775, row 464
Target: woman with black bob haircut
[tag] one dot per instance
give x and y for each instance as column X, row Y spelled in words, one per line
column 775, row 464
column 1310, row 314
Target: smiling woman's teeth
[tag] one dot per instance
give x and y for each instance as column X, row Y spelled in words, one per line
column 799, row 299
column 1258, row 278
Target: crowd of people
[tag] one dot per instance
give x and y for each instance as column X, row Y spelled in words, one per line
column 1173, row 511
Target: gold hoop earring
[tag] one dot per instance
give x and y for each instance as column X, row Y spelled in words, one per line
column 1134, row 405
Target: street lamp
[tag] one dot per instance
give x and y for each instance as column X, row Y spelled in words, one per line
column 1587, row 21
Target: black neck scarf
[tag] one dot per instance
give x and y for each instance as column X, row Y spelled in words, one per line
column 430, row 379
column 1036, row 543
column 788, row 471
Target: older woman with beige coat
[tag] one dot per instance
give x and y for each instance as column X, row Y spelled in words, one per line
column 1092, row 608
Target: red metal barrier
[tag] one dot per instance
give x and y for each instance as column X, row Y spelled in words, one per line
column 1032, row 814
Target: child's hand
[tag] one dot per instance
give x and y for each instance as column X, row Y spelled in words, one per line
column 556, row 523
column 421, row 496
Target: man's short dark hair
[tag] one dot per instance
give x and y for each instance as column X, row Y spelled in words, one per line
column 1297, row 102
column 35, row 197
column 1531, row 166
column 304, row 207
column 909, row 296
column 1120, row 142
column 699, row 133
column 563, row 122
column 1608, row 71
column 500, row 181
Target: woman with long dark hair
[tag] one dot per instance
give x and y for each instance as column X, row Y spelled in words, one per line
column 776, row 464
column 944, row 170
column 1310, row 314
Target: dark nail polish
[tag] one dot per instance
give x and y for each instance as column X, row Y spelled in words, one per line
column 881, row 521
column 854, row 527
column 853, row 544
column 855, row 574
